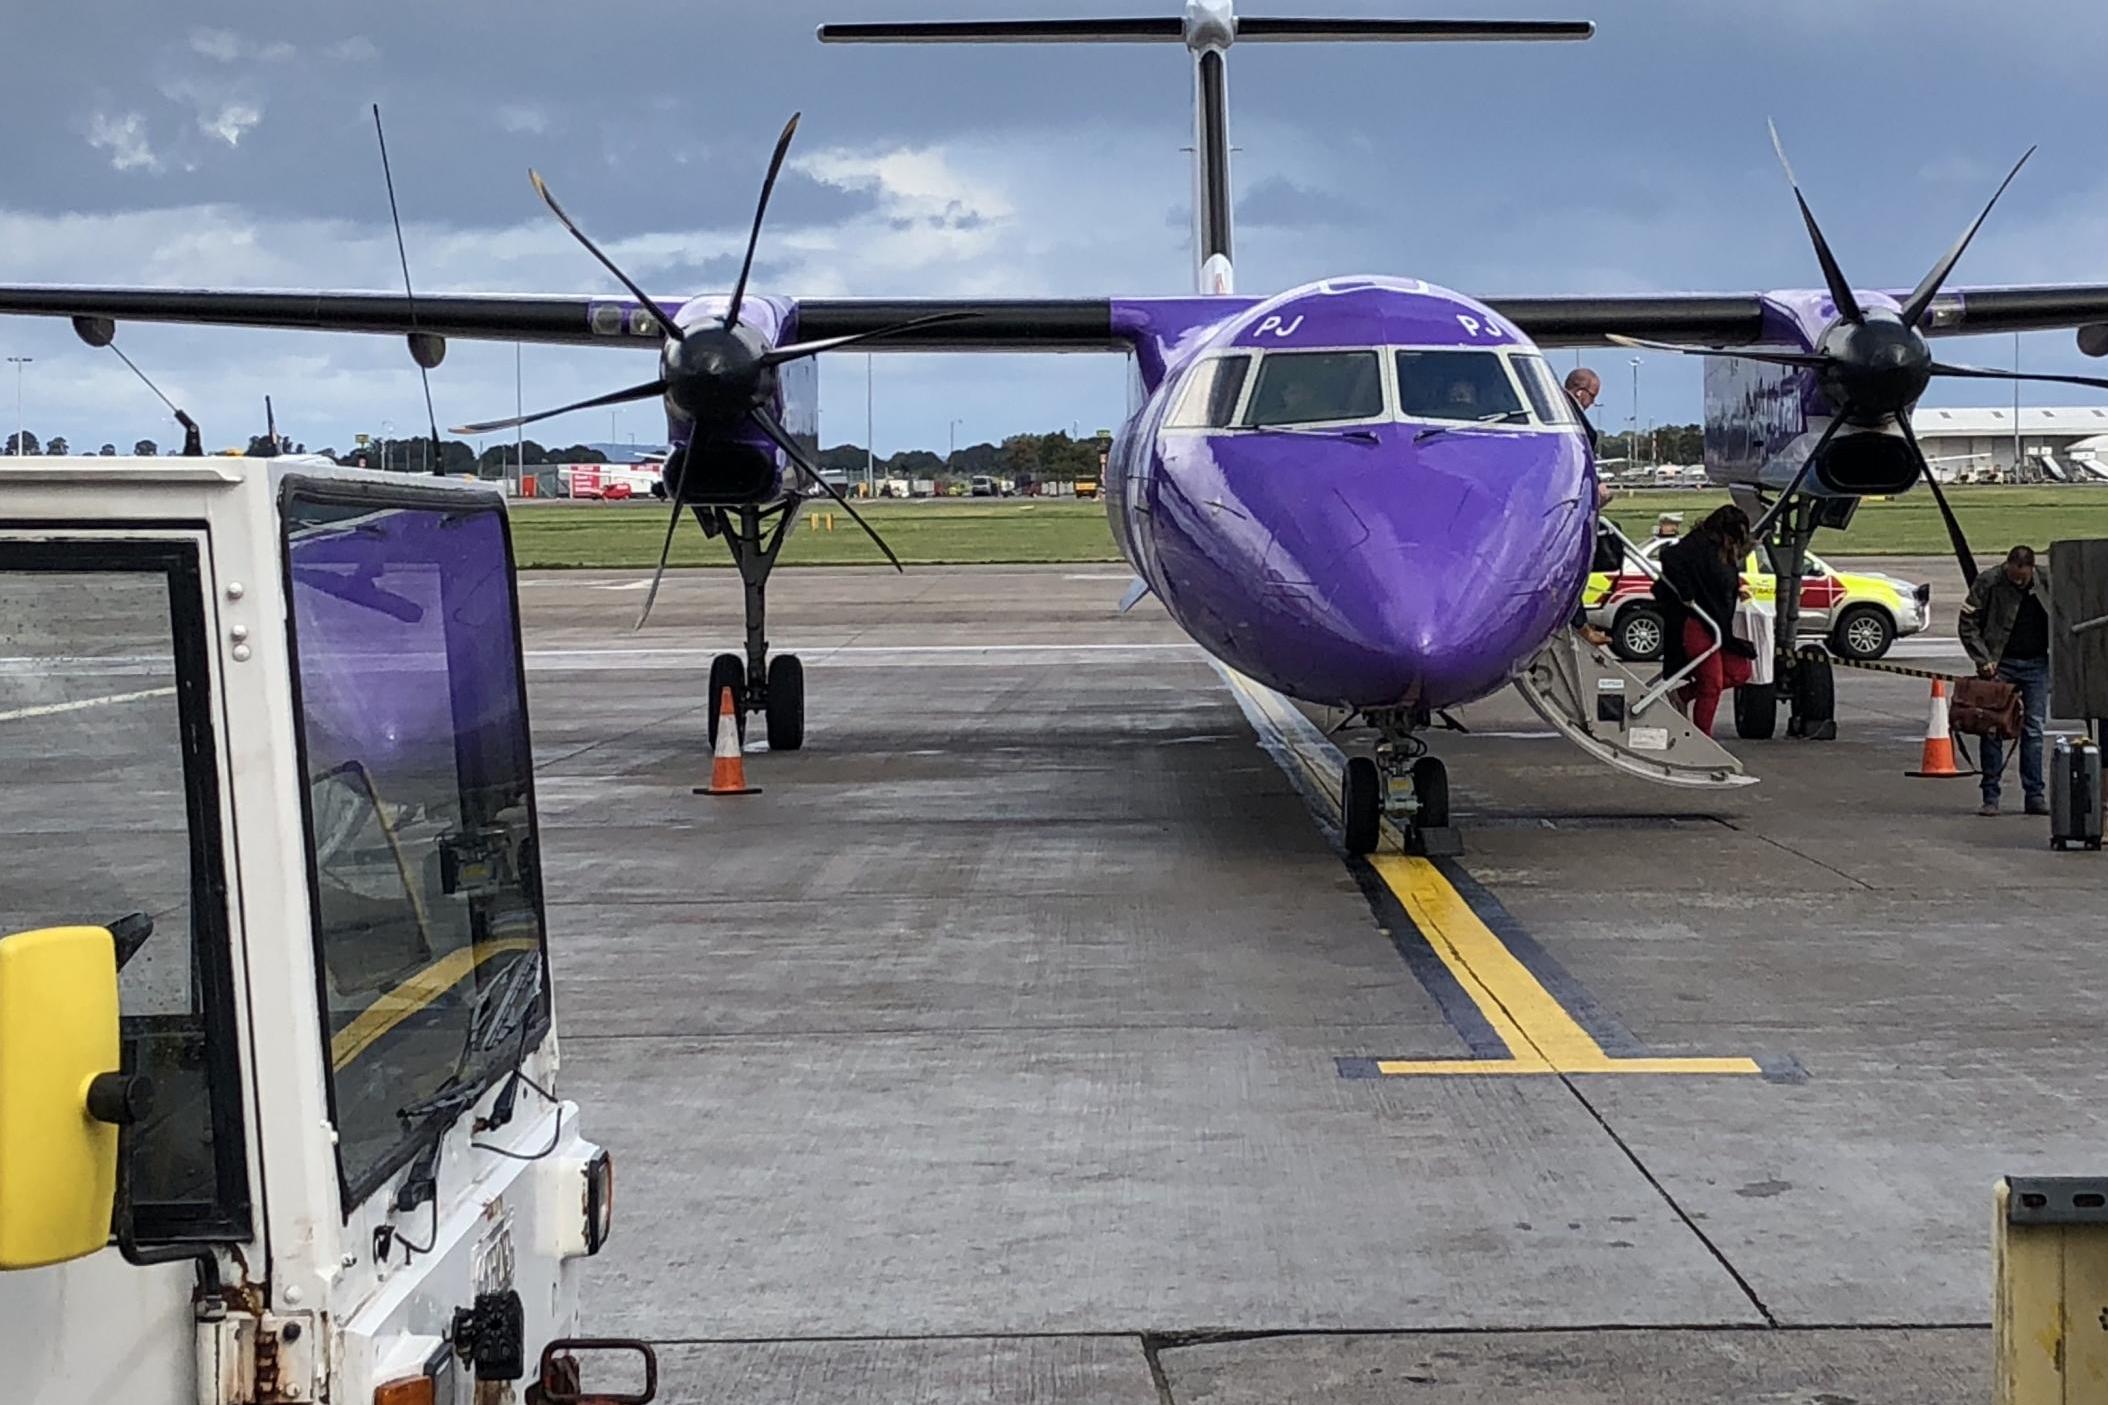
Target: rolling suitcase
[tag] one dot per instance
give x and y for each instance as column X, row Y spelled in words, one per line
column 2075, row 794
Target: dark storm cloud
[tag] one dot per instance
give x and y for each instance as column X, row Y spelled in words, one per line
column 1636, row 161
column 1279, row 202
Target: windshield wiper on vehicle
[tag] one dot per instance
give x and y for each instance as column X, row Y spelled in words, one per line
column 1501, row 417
column 499, row 1008
column 1356, row 436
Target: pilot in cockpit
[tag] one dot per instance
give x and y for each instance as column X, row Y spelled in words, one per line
column 1464, row 398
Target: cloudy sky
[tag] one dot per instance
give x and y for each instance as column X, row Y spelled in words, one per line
column 233, row 146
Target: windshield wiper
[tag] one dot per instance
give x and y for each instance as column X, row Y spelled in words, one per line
column 1355, row 436
column 499, row 1008
column 1502, row 417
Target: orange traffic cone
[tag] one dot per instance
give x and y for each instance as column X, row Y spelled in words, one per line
column 1938, row 761
column 728, row 769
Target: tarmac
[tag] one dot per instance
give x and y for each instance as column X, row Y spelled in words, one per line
column 1027, row 1037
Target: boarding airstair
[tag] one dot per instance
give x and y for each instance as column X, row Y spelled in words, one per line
column 1627, row 722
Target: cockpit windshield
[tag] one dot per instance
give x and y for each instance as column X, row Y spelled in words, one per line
column 1456, row 385
column 1316, row 387
column 1210, row 395
column 1547, row 396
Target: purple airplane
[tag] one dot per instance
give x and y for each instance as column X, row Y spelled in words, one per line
column 1367, row 492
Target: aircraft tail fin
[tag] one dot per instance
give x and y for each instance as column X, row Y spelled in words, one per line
column 1208, row 28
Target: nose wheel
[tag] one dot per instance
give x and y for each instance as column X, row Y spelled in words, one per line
column 1404, row 785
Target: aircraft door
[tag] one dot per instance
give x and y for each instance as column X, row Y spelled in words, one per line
column 111, row 740
column 1622, row 720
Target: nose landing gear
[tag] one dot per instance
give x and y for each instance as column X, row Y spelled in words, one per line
column 1402, row 784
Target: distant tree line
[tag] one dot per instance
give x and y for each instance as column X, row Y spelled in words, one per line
column 1024, row 458
column 1666, row 443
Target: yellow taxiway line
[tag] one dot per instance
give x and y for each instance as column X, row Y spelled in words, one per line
column 1541, row 1035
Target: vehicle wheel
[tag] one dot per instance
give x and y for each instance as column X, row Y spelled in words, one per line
column 1638, row 634
column 1756, row 711
column 786, row 707
column 1431, row 789
column 1864, row 632
column 1359, row 805
column 728, row 671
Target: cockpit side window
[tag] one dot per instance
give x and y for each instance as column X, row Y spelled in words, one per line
column 1208, row 400
column 1456, row 385
column 1316, row 387
column 1547, row 396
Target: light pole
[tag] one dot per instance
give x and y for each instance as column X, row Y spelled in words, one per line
column 954, row 442
column 2016, row 407
column 870, row 453
column 21, row 436
column 387, row 433
column 1632, row 441
column 519, row 431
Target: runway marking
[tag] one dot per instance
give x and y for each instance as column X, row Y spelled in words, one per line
column 863, row 656
column 1494, row 985
column 53, row 709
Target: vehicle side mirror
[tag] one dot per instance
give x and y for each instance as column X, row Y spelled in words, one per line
column 61, row 1094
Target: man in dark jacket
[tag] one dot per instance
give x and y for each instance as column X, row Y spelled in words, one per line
column 2005, row 627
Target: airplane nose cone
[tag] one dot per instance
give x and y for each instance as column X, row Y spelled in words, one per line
column 1420, row 575
column 1421, row 625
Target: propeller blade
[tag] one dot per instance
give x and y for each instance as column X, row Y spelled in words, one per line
column 761, row 208
column 1762, row 525
column 1965, row 558
column 795, row 350
column 673, row 520
column 1776, row 358
column 658, row 313
column 771, row 426
column 1926, row 291
column 613, row 397
column 1982, row 373
column 1840, row 291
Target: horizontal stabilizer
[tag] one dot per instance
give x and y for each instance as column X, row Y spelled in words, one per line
column 1146, row 29
column 1312, row 31
column 1141, row 30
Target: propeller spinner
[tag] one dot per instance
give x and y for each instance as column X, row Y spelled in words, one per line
column 1873, row 364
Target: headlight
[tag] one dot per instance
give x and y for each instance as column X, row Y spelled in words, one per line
column 600, row 1201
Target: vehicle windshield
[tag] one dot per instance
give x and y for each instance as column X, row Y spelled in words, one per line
column 420, row 837
column 1456, row 385
column 1316, row 387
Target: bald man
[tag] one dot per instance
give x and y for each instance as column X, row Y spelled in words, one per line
column 1582, row 387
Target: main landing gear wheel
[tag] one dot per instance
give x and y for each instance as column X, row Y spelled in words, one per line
column 1814, row 701
column 1431, row 790
column 786, row 703
column 728, row 671
column 1757, row 711
column 1360, row 805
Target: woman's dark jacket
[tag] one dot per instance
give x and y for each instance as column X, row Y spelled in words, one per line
column 1693, row 569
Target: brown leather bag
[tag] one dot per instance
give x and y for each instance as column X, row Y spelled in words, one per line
column 1985, row 707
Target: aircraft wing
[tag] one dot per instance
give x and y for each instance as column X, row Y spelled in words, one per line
column 1737, row 319
column 1017, row 324
column 1055, row 324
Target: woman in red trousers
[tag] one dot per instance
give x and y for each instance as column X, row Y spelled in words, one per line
column 1705, row 570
